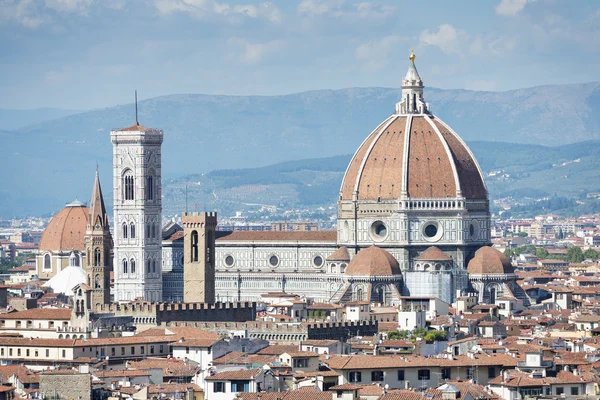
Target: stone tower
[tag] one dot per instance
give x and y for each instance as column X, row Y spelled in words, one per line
column 99, row 249
column 199, row 257
column 137, row 213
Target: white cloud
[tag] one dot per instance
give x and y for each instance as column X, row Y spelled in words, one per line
column 446, row 38
column 23, row 12
column 377, row 54
column 339, row 8
column 319, row 7
column 69, row 6
column 252, row 53
column 510, row 8
column 206, row 8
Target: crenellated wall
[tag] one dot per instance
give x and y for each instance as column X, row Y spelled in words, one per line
column 162, row 313
column 289, row 333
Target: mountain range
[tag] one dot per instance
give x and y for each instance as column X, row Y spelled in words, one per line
column 49, row 163
column 519, row 171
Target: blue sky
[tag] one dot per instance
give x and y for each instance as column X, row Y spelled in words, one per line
column 93, row 53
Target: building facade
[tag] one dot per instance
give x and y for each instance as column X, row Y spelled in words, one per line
column 413, row 184
column 137, row 213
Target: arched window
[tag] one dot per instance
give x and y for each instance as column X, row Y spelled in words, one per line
column 147, row 266
column 194, row 239
column 132, row 262
column 132, row 230
column 128, row 185
column 97, row 257
column 359, row 294
column 153, row 266
column 97, row 282
column 153, row 231
column 150, row 187
column 73, row 260
column 124, row 230
column 125, row 266
column 147, row 231
column 47, row 263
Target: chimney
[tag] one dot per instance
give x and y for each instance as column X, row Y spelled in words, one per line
column 576, row 372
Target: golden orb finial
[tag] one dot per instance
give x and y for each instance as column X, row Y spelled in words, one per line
column 412, row 55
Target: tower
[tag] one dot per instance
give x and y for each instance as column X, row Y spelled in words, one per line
column 98, row 247
column 199, row 257
column 137, row 213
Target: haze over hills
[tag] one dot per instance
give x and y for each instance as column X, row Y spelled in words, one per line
column 15, row 119
column 512, row 170
column 52, row 162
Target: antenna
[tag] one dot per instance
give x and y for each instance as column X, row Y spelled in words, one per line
column 136, row 110
column 186, row 199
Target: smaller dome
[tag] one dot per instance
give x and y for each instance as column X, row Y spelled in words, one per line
column 434, row 254
column 488, row 261
column 340, row 254
column 373, row 261
column 66, row 230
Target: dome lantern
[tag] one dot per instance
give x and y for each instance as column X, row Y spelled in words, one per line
column 412, row 91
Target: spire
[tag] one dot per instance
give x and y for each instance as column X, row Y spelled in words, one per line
column 97, row 209
column 412, row 91
column 412, row 78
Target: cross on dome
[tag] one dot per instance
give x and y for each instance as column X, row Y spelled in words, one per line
column 412, row 91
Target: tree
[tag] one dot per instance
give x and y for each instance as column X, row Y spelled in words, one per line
column 399, row 334
column 435, row 336
column 574, row 254
column 419, row 332
column 541, row 253
column 509, row 252
column 591, row 254
column 522, row 234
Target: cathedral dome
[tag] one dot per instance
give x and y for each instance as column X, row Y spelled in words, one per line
column 413, row 154
column 66, row 230
column 373, row 261
column 488, row 261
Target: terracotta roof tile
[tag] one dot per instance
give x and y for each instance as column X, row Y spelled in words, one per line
column 373, row 261
column 488, row 260
column 40, row 313
column 235, row 375
column 66, row 230
column 340, row 254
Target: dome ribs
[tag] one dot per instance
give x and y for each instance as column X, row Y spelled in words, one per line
column 471, row 182
column 382, row 173
column 429, row 172
column 66, row 230
column 354, row 168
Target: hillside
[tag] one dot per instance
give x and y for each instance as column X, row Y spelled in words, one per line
column 516, row 170
column 52, row 162
column 15, row 119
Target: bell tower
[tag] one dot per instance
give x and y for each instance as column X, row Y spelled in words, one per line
column 99, row 249
column 199, row 257
column 137, row 213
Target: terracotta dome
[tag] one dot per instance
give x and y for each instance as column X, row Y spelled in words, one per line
column 423, row 157
column 66, row 230
column 488, row 261
column 373, row 261
column 433, row 253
